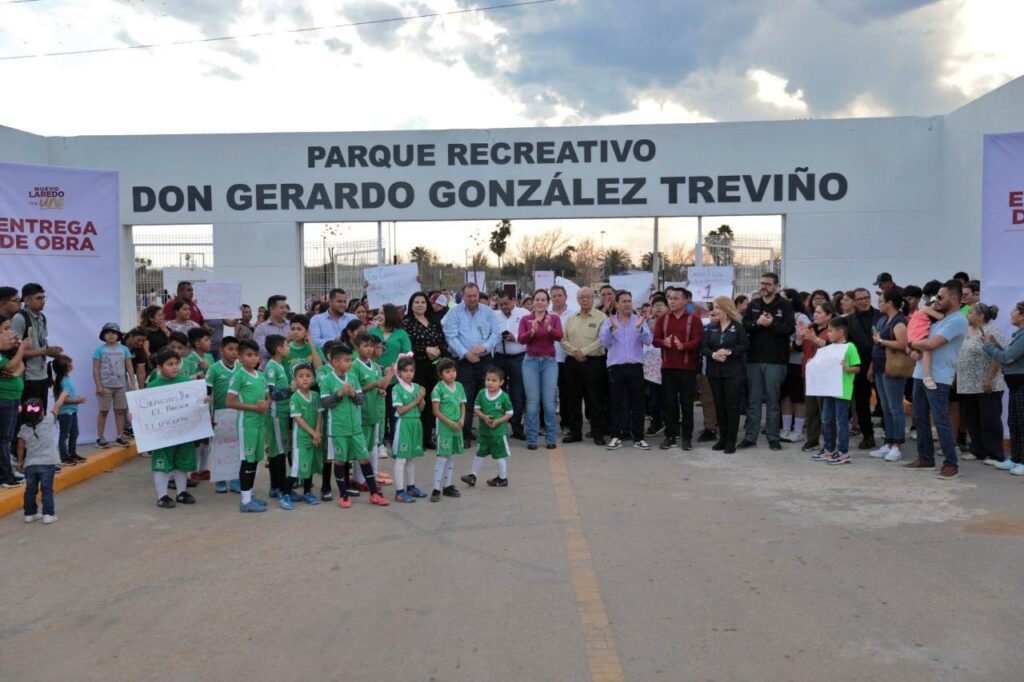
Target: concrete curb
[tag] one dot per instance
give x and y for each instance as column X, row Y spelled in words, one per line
column 12, row 500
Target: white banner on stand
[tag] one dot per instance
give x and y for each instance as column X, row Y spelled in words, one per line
column 543, row 279
column 224, row 450
column 477, row 277
column 219, row 300
column 637, row 283
column 59, row 227
column 392, row 284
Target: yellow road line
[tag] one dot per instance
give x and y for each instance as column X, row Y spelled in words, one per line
column 598, row 640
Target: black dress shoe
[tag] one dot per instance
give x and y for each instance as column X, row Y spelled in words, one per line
column 531, row 446
column 552, row 446
column 451, row 491
column 669, row 442
column 706, row 436
column 775, row 445
column 808, row 447
column 867, row 443
column 730, row 449
column 744, row 444
column 185, row 498
column 720, row 445
column 599, row 440
column 686, row 444
column 572, row 438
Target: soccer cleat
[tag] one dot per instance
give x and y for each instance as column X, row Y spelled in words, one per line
column 880, row 452
column 310, row 499
column 345, row 503
column 284, row 501
column 166, row 502
column 236, row 486
column 29, row 518
column 451, row 491
column 470, row 480
column 435, row 495
column 251, row 508
column 172, row 485
column 379, row 500
column 49, row 518
column 273, row 493
column 497, row 482
column 613, row 444
column 641, row 444
column 185, row 498
column 220, row 487
column 353, row 492
column 326, row 496
column 414, row 491
column 403, row 497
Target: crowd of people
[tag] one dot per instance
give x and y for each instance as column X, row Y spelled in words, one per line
column 337, row 389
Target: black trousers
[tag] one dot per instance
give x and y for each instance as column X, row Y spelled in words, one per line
column 426, row 376
column 585, row 382
column 678, row 387
column 726, row 393
column 626, row 391
column 471, row 375
column 862, row 400
column 983, row 415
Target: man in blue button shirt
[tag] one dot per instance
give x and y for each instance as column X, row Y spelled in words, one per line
column 472, row 333
column 329, row 325
column 944, row 340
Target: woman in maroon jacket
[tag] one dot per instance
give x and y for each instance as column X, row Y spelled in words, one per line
column 540, row 331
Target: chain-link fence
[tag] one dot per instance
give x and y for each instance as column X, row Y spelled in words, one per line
column 337, row 264
column 164, row 255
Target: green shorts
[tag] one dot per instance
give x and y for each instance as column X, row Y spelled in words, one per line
column 449, row 441
column 303, row 459
column 347, row 448
column 278, row 432
column 373, row 434
column 176, row 458
column 251, row 439
column 494, row 446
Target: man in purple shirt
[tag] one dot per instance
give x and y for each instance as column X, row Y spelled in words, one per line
column 624, row 335
column 276, row 323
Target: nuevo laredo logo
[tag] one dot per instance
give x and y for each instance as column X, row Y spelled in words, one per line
column 46, row 197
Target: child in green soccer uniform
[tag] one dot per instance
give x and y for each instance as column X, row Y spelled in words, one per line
column 248, row 394
column 198, row 360
column 374, row 383
column 341, row 397
column 321, row 463
column 494, row 409
column 307, row 430
column 218, row 376
column 449, row 403
column 177, row 342
column 408, row 400
column 278, row 421
column 176, row 460
column 301, row 348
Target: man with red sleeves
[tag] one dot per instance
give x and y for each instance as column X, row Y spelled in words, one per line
column 186, row 293
column 679, row 335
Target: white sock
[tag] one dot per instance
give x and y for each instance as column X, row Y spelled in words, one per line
column 439, row 465
column 410, row 473
column 246, row 496
column 359, row 473
column 399, row 475
column 798, row 425
column 161, row 479
column 449, row 471
column 478, row 464
column 203, row 457
column 503, row 467
column 375, row 459
column 180, row 480
column 786, row 419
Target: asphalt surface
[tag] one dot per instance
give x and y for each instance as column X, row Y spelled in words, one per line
column 592, row 564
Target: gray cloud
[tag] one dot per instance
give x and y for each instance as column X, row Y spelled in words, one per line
column 224, row 72
column 335, row 45
column 376, row 35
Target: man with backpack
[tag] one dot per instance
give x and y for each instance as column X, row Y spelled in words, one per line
column 31, row 322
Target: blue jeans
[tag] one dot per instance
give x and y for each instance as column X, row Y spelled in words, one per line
column 934, row 405
column 835, row 417
column 67, row 442
column 764, row 384
column 890, row 394
column 540, row 379
column 39, row 476
column 8, row 425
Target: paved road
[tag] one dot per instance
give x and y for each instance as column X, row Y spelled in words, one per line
column 591, row 565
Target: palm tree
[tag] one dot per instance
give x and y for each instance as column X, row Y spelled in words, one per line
column 421, row 255
column 615, row 261
column 647, row 261
column 499, row 239
column 719, row 243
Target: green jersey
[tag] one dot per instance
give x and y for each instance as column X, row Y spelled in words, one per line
column 496, row 406
column 400, row 395
column 373, row 402
column 250, row 387
column 345, row 418
column 450, row 400
column 190, row 365
column 300, row 354
column 11, row 388
column 159, row 380
column 218, row 377
column 278, row 377
column 308, row 409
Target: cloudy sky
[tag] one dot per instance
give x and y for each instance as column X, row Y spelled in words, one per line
column 564, row 62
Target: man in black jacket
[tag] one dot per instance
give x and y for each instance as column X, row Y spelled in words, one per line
column 861, row 323
column 769, row 322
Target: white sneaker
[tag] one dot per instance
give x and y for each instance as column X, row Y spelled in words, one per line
column 34, row 517
column 968, row 457
column 18, row 476
column 642, row 444
column 49, row 518
column 785, row 436
column 796, row 436
column 614, row 444
column 1005, row 465
column 880, row 452
column 894, row 454
column 989, row 461
column 1018, row 470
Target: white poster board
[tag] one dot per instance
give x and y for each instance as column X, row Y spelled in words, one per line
column 224, row 450
column 219, row 300
column 169, row 415
column 543, row 279
column 677, row 285
column 637, row 283
column 478, row 277
column 711, row 281
column 825, row 372
column 392, row 284
column 76, row 263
